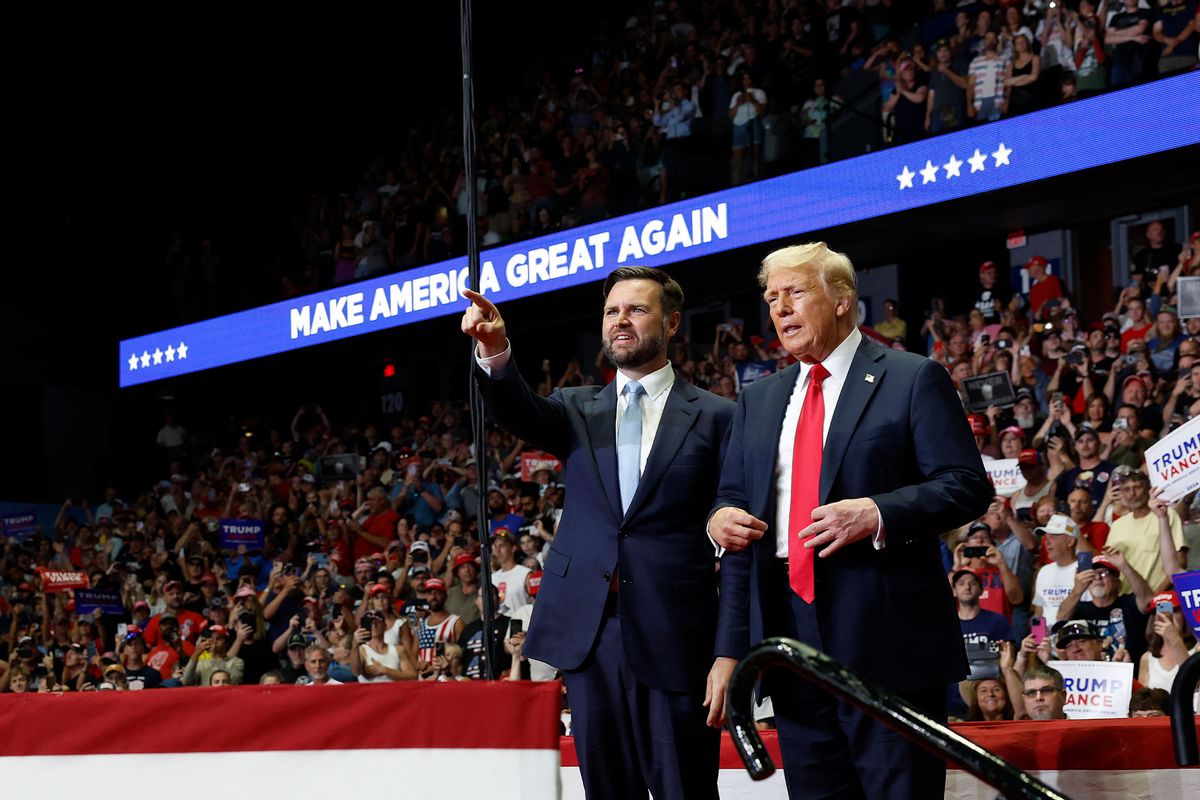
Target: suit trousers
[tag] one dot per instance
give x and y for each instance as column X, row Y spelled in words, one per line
column 630, row 737
column 830, row 748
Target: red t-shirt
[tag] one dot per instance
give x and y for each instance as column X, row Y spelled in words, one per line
column 381, row 525
column 189, row 628
column 1133, row 334
column 340, row 559
column 994, row 598
column 1047, row 288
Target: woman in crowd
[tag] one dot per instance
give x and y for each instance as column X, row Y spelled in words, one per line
column 987, row 701
column 1170, row 640
column 1021, row 76
column 372, row 659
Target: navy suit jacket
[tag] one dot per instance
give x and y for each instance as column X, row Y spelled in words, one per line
column 898, row 436
column 668, row 587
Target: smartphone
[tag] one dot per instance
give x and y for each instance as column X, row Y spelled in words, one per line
column 1037, row 626
column 1164, row 607
column 1056, row 399
column 1084, row 560
column 439, row 649
column 515, row 627
column 975, row 551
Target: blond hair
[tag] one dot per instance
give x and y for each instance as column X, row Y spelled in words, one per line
column 833, row 268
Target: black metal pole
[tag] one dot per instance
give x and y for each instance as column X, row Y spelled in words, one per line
column 1183, row 716
column 477, row 428
column 834, row 678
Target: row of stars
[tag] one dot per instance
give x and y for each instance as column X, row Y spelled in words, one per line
column 158, row 356
column 953, row 167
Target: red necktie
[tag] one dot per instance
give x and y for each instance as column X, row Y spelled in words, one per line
column 806, row 483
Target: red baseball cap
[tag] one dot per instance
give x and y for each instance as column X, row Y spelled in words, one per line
column 378, row 588
column 535, row 582
column 215, row 629
column 434, row 584
column 985, row 266
column 1132, row 379
column 169, row 585
column 1029, row 456
column 1038, row 260
column 1169, row 597
column 463, row 558
column 979, row 424
column 1013, row 430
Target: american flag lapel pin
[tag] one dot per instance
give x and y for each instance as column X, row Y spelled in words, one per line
column 869, row 378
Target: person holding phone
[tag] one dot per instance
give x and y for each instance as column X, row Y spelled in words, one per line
column 373, row 660
column 1170, row 641
column 1000, row 587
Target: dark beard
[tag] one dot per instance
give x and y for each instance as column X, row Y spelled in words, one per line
column 648, row 350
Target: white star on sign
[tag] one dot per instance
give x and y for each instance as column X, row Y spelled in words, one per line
column 133, row 359
column 952, row 166
column 170, row 351
column 977, row 161
column 157, row 356
column 906, row 178
column 929, row 173
column 145, row 359
column 1001, row 155
column 182, row 351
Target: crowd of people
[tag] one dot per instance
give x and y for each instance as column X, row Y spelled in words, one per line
column 371, row 574
column 681, row 98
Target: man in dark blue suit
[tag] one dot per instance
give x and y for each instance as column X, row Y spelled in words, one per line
column 628, row 602
column 851, row 462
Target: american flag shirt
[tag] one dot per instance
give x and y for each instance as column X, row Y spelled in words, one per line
column 429, row 635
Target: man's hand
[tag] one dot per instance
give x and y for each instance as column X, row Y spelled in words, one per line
column 1159, row 506
column 838, row 524
column 1083, row 579
column 714, row 691
column 483, row 323
column 735, row 529
column 1115, row 556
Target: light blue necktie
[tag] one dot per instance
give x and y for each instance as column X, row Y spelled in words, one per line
column 629, row 444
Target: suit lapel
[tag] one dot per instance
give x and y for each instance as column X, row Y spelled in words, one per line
column 678, row 418
column 768, row 427
column 856, row 393
column 601, row 413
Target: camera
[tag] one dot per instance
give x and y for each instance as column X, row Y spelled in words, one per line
column 1004, row 344
column 246, row 619
column 1075, row 358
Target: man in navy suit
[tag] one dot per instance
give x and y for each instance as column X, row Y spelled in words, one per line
column 851, row 462
column 628, row 602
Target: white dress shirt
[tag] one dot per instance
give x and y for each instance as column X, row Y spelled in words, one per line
column 657, row 385
column 838, row 363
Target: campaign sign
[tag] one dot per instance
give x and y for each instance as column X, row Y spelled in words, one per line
column 19, row 526
column 238, row 532
column 89, row 601
column 534, row 460
column 59, row 580
column 1174, row 461
column 1006, row 477
column 1187, row 586
column 1096, row 689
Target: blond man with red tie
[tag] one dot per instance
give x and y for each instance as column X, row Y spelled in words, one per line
column 840, row 474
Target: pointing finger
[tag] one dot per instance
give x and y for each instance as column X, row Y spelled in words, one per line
column 486, row 306
column 752, row 522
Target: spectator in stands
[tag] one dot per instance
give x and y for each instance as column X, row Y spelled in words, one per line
column 1090, row 58
column 1043, row 287
column 1165, row 340
column 1146, row 702
column 438, row 627
column 316, row 660
column 988, row 701
column 1169, row 643
column 375, row 661
column 673, row 117
column 1091, row 473
column 1119, row 618
column 1056, row 579
column 982, row 630
column 1128, row 36
column 211, row 657
column 1043, row 694
column 1175, row 30
column 985, row 82
column 815, row 114
column 946, row 106
column 746, row 110
column 1001, row 588
column 1021, row 74
column 1037, row 482
column 907, row 105
column 1136, row 534
column 507, row 575
column 1093, row 534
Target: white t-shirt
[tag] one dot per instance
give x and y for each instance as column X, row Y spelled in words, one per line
column 538, row 670
column 1051, row 587
column 746, row 110
column 511, row 584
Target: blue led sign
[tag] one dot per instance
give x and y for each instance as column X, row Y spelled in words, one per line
column 1134, row 122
